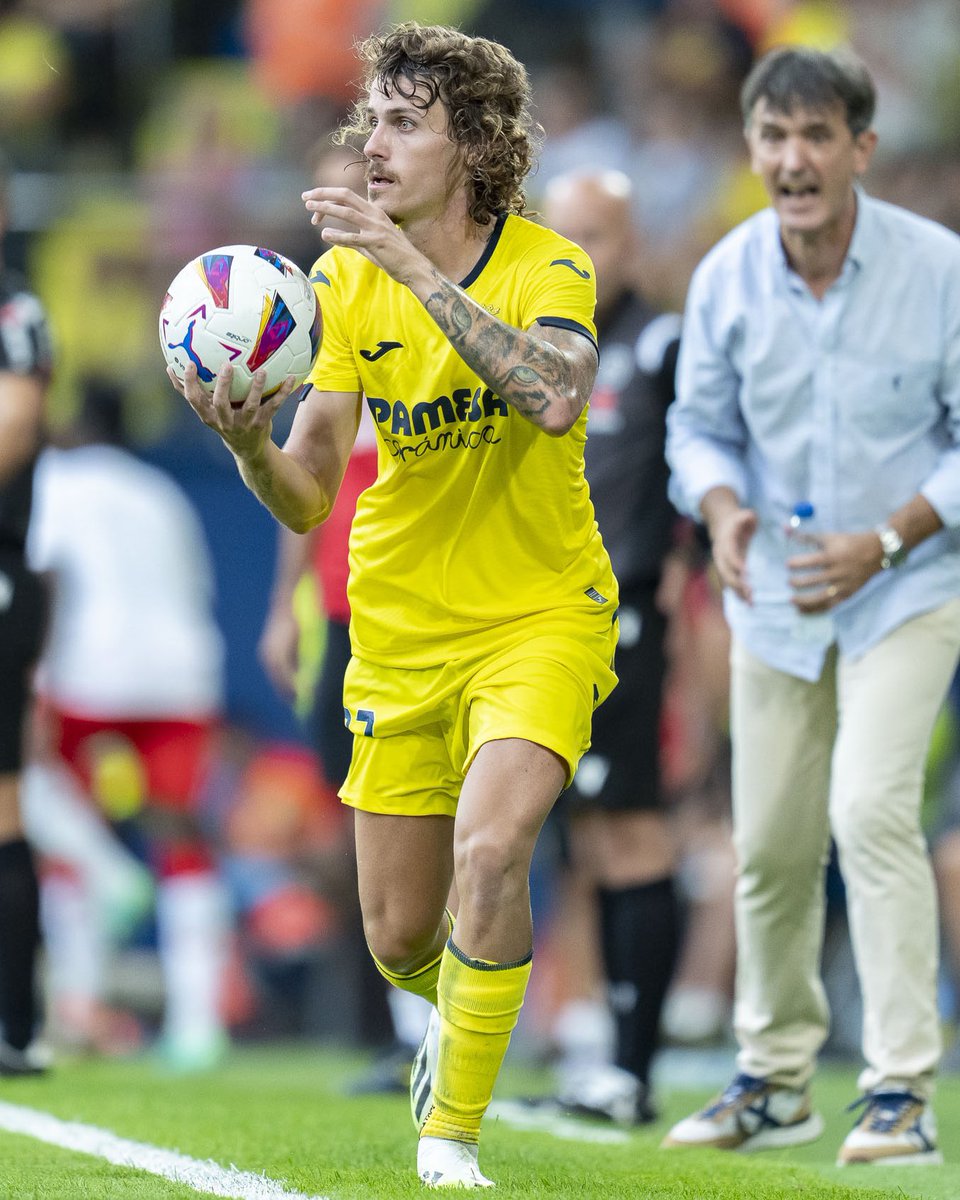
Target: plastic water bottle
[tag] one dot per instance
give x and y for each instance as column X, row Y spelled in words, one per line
column 801, row 539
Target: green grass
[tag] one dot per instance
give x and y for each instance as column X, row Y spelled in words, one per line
column 283, row 1113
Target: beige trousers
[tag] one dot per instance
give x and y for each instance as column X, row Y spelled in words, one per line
column 846, row 756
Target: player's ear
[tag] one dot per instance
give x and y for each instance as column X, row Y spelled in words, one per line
column 864, row 145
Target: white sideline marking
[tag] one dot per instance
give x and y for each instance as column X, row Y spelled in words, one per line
column 208, row 1177
column 518, row 1116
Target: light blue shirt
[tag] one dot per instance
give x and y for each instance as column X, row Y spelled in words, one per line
column 851, row 402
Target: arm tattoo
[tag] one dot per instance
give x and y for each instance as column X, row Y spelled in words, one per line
column 533, row 376
column 461, row 316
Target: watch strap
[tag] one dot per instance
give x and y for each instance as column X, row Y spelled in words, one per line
column 891, row 543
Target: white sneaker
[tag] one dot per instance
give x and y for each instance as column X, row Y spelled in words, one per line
column 424, row 1070
column 605, row 1092
column 444, row 1163
column 36, row 1059
column 896, row 1128
column 751, row 1114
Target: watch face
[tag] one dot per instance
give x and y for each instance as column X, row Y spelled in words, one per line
column 892, row 544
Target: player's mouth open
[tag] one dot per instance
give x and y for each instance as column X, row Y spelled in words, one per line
column 796, row 193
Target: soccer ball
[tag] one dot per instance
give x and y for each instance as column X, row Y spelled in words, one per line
column 245, row 305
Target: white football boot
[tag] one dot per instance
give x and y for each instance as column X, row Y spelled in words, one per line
column 442, row 1163
column 424, row 1070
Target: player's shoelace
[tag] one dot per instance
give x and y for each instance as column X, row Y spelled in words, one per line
column 733, row 1095
column 884, row 1112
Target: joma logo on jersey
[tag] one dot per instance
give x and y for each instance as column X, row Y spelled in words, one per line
column 399, row 419
column 382, row 349
column 568, row 262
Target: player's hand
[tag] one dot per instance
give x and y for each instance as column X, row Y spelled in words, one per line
column 730, row 536
column 279, row 650
column 365, row 227
column 836, row 566
column 245, row 425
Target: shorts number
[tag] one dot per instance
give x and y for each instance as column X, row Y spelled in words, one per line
column 365, row 715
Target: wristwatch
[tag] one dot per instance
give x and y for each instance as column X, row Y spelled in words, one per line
column 894, row 551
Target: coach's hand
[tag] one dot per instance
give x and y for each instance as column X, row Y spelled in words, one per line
column 245, row 425
column 839, row 565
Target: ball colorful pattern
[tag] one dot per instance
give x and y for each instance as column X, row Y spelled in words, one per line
column 245, row 305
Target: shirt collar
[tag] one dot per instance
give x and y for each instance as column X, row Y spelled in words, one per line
column 863, row 243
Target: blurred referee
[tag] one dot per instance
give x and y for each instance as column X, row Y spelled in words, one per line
column 619, row 845
column 24, row 372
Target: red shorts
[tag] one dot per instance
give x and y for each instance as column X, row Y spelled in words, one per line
column 126, row 763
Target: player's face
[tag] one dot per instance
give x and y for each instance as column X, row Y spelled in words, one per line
column 414, row 168
column 809, row 161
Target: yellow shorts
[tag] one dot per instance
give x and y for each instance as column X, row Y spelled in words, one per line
column 416, row 732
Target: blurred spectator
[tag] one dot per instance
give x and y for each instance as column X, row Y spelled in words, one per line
column 35, row 83
column 130, row 687
column 278, row 829
column 578, row 127
column 98, row 249
column 25, row 364
column 95, row 894
column 304, row 48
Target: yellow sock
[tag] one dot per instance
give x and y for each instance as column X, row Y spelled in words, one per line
column 479, row 1005
column 421, row 983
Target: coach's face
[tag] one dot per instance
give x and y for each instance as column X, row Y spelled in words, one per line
column 414, row 168
column 809, row 160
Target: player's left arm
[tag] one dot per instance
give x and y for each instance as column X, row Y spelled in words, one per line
column 25, row 365
column 21, row 420
column 545, row 373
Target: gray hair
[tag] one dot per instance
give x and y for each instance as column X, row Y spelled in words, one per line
column 800, row 76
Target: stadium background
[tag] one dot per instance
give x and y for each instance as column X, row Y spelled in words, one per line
column 141, row 132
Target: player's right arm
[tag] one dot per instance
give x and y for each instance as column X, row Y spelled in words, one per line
column 299, row 483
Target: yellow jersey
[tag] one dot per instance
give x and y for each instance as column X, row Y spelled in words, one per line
column 478, row 520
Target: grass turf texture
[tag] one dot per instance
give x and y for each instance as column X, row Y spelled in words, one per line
column 282, row 1112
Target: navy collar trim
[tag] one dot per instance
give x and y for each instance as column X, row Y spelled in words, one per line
column 488, row 250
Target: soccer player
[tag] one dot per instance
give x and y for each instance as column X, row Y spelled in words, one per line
column 25, row 364
column 130, row 688
column 483, row 602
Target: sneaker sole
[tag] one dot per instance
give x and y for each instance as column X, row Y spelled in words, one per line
column 807, row 1130
column 928, row 1158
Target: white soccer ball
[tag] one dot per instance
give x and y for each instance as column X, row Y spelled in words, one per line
column 245, row 305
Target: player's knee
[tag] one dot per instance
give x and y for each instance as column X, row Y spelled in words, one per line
column 401, row 943
column 490, row 868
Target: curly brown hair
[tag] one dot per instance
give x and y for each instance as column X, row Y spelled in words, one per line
column 485, row 91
